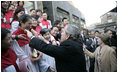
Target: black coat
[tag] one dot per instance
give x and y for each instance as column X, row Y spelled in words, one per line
column 69, row 55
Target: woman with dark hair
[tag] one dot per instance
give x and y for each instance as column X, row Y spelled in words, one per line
column 8, row 14
column 20, row 4
column 58, row 23
column 54, row 31
column 15, row 23
column 105, row 56
column 9, row 61
column 11, row 7
column 5, row 5
column 22, row 48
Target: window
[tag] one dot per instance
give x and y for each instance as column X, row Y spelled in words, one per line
column 75, row 19
column 62, row 13
column 29, row 5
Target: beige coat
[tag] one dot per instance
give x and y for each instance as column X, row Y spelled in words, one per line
column 108, row 59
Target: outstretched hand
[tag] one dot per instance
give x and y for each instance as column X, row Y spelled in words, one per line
column 21, row 37
column 84, row 47
column 34, row 33
column 43, row 39
column 29, row 34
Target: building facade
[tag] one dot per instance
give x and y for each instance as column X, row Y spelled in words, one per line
column 108, row 20
column 56, row 10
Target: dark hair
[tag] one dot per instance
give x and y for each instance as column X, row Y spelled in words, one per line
column 57, row 22
column 19, row 9
column 114, row 35
column 106, row 30
column 58, row 36
column 31, row 9
column 38, row 10
column 10, row 5
column 4, row 33
column 2, row 7
column 44, row 12
column 19, row 2
column 33, row 17
column 3, row 1
column 97, row 31
column 2, row 11
column 64, row 19
column 43, row 31
column 24, row 18
column 36, row 17
column 53, row 26
column 10, row 2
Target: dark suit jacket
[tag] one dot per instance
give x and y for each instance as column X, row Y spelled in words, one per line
column 89, row 47
column 69, row 55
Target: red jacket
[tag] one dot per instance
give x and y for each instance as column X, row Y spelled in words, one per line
column 8, row 17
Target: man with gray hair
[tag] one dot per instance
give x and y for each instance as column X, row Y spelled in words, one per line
column 69, row 56
column 73, row 31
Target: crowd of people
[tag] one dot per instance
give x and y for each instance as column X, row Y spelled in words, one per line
column 30, row 43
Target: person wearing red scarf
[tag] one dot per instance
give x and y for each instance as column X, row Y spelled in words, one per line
column 45, row 23
column 8, row 15
column 21, row 4
column 8, row 19
column 8, row 56
column 35, row 26
column 22, row 49
column 64, row 22
column 54, row 31
column 15, row 23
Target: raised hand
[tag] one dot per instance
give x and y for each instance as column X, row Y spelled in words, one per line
column 29, row 34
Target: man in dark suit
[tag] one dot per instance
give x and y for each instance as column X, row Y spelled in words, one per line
column 91, row 46
column 69, row 55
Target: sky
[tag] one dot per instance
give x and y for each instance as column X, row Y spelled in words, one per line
column 93, row 9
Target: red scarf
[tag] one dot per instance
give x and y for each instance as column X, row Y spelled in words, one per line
column 39, row 28
column 45, row 22
column 21, row 42
column 9, row 58
column 64, row 25
column 3, row 25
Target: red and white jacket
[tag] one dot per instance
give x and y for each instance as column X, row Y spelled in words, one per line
column 8, row 19
column 45, row 24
